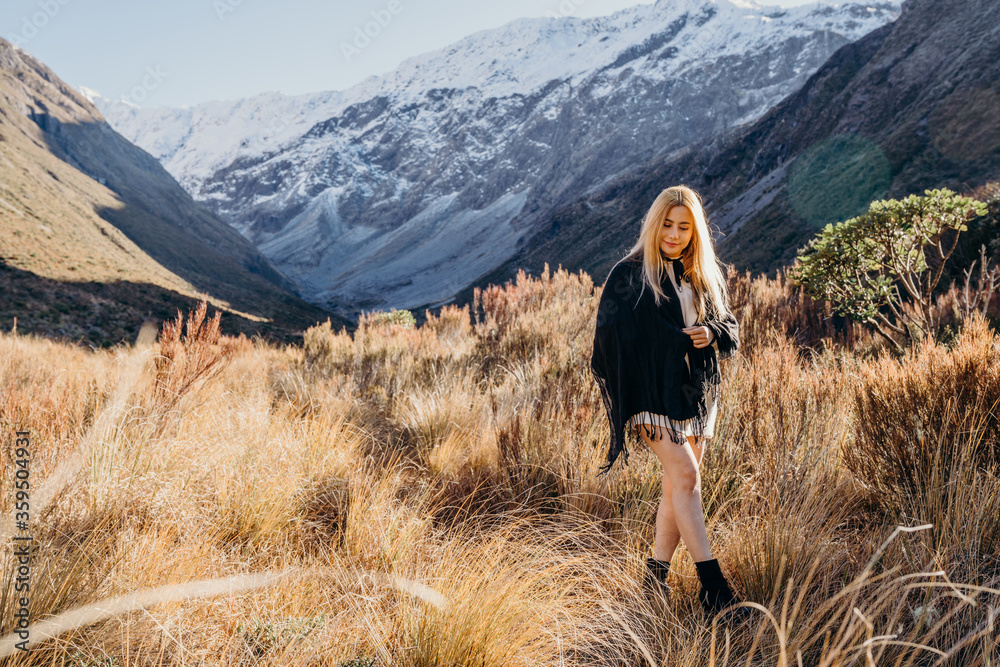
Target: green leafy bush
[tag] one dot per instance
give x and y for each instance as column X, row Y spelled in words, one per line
column 859, row 265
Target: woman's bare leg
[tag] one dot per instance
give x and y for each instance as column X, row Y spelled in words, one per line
column 681, row 462
column 666, row 535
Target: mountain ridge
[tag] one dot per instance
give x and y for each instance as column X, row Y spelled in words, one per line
column 405, row 192
column 909, row 106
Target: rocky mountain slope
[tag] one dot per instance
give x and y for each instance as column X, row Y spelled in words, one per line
column 913, row 105
column 403, row 190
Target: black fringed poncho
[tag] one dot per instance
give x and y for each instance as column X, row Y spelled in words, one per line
column 638, row 357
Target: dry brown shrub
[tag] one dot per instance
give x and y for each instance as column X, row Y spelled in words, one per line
column 452, row 324
column 199, row 354
column 550, row 317
column 326, row 352
column 912, row 413
column 766, row 307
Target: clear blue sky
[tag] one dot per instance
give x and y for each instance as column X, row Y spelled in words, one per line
column 181, row 52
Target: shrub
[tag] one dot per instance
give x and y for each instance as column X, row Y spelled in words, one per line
column 394, row 317
column 325, row 351
column 910, row 411
column 199, row 354
column 861, row 264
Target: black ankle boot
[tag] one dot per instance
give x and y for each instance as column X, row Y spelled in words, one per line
column 715, row 594
column 656, row 576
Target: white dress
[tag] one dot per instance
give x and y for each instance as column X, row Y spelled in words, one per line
column 686, row 297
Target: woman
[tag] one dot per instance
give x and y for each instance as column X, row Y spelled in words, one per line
column 662, row 318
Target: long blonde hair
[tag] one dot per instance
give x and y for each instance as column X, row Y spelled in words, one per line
column 701, row 265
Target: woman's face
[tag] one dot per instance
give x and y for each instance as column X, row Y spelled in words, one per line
column 676, row 231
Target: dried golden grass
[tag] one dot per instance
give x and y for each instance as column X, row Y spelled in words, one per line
column 914, row 413
column 435, row 488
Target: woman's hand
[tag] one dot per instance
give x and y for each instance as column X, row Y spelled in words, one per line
column 700, row 336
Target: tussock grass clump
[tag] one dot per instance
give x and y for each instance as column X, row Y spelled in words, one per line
column 918, row 416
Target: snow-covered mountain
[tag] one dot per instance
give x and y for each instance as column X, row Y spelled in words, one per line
column 407, row 187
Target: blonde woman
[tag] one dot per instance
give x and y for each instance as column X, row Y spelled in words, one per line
column 663, row 323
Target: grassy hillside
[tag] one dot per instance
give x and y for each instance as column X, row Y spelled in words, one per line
column 428, row 496
column 81, row 206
